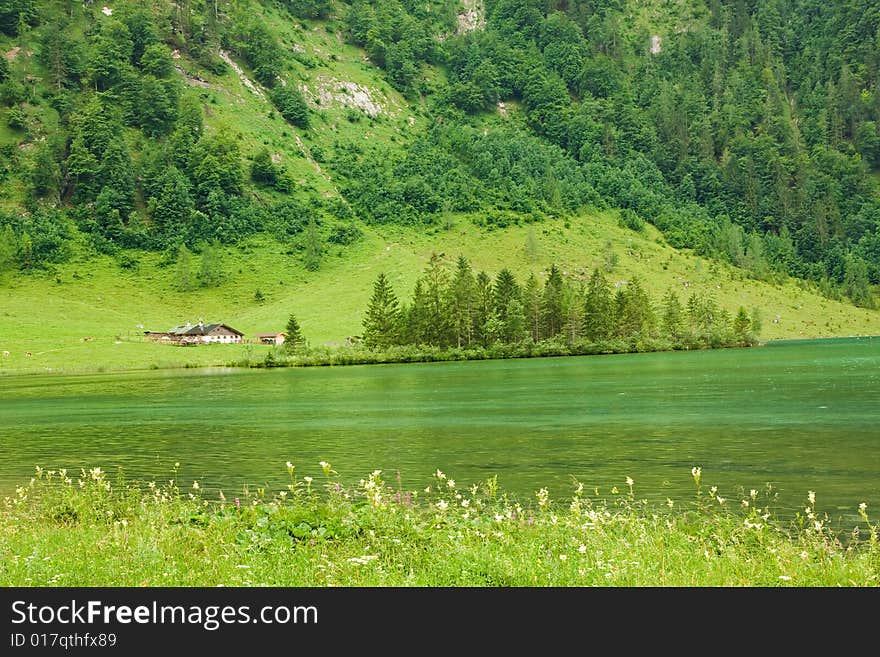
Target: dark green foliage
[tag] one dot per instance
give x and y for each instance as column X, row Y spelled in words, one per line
column 293, row 337
column 261, row 50
column 344, row 234
column 291, row 104
column 17, row 13
column 263, row 170
column 462, row 311
column 309, row 8
column 172, row 205
column 382, row 320
column 156, row 60
column 313, row 245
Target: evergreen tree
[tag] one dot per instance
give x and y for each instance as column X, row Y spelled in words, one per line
column 599, row 317
column 464, row 300
column 855, row 282
column 483, row 309
column 293, row 339
column 742, row 326
column 635, row 314
column 505, row 291
column 551, row 303
column 381, row 323
column 531, row 300
column 672, row 316
column 572, row 313
column 435, row 301
column 172, row 207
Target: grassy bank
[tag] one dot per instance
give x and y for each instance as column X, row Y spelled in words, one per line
column 357, row 355
column 64, row 529
column 90, row 314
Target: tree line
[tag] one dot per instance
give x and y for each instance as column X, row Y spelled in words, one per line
column 460, row 308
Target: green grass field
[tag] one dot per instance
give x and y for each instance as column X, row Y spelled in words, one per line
column 79, row 529
column 90, row 314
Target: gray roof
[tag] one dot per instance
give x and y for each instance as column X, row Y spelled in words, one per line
column 200, row 329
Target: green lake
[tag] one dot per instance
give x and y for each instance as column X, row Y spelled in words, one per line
column 799, row 415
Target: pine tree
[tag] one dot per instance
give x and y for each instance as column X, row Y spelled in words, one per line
column 572, row 313
column 505, row 291
column 598, row 309
column 551, row 303
column 531, row 298
column 483, row 308
column 464, row 298
column 381, row 323
column 437, row 317
column 742, row 325
column 293, row 339
column 673, row 316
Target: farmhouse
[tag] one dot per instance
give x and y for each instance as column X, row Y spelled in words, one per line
column 191, row 334
column 271, row 338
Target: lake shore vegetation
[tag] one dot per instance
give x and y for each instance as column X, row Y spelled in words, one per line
column 82, row 529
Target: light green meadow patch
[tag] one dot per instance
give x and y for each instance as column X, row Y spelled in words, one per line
column 76, row 529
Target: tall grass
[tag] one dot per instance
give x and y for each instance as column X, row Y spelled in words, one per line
column 82, row 530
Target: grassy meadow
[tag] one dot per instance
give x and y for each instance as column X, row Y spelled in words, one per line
column 79, row 529
column 90, row 314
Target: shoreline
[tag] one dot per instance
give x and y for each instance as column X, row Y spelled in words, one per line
column 344, row 357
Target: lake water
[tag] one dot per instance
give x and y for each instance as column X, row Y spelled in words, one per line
column 800, row 415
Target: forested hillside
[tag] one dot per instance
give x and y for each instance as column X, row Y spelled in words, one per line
column 745, row 130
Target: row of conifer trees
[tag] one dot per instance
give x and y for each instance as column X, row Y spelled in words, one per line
column 464, row 309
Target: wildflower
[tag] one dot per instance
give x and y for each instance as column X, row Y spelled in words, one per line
column 669, row 503
column 439, row 475
column 720, row 499
column 563, row 557
column 543, row 496
column 95, row 473
column 195, row 485
column 442, row 505
column 785, row 578
column 695, row 473
column 499, row 517
column 325, row 467
column 629, row 481
column 713, row 490
column 863, row 507
column 745, row 504
column 614, row 490
column 582, row 549
column 451, row 483
column 465, row 503
column 811, row 495
column 428, row 489
column 753, row 493
column 308, row 480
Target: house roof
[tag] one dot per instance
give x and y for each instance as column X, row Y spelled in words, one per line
column 270, row 335
column 201, row 329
